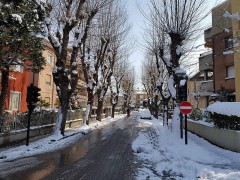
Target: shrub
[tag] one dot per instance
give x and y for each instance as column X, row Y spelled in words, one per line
column 225, row 121
column 197, row 115
column 225, row 114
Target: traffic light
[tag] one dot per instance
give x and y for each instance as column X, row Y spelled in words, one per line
column 36, row 94
column 32, row 95
column 183, row 92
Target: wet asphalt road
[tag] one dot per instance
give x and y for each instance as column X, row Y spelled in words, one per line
column 104, row 154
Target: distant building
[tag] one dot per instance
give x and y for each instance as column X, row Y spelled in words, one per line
column 138, row 98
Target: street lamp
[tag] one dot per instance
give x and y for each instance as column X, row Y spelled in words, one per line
column 181, row 74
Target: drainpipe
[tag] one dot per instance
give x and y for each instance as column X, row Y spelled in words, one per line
column 53, row 84
column 213, row 61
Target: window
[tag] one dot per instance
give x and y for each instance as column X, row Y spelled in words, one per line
column 15, row 100
column 17, row 68
column 228, row 42
column 47, row 100
column 48, row 79
column 49, row 59
column 230, row 72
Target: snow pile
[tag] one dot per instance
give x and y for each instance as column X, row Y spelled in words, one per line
column 54, row 141
column 179, row 50
column 180, row 71
column 17, row 17
column 228, row 52
column 232, row 16
column 145, row 113
column 183, row 82
column 165, row 155
column 225, row 108
column 171, row 87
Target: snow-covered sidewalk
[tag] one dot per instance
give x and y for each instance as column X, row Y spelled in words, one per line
column 53, row 142
column 165, row 155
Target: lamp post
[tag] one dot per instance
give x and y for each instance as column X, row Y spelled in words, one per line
column 181, row 74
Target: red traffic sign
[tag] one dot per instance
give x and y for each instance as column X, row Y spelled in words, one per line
column 185, row 107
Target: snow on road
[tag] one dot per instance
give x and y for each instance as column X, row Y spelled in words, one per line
column 165, row 155
column 53, row 142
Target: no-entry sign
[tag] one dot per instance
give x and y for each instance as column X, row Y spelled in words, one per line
column 185, row 107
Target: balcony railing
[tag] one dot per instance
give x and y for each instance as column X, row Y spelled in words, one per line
column 206, row 86
column 208, row 33
column 206, row 61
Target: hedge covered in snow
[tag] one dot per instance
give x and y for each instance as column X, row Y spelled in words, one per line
column 225, row 115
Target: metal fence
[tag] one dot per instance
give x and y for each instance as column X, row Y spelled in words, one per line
column 16, row 121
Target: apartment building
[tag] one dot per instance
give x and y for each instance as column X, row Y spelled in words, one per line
column 138, row 97
column 44, row 79
column 200, row 85
column 220, row 37
column 20, row 79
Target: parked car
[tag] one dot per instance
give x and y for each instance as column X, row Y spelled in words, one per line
column 145, row 114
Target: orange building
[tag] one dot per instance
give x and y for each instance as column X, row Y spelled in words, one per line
column 19, row 79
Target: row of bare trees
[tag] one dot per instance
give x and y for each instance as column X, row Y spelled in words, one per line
column 172, row 27
column 90, row 33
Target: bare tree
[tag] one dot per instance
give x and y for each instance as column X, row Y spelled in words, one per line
column 118, row 73
column 68, row 23
column 127, row 86
column 149, row 79
column 102, row 53
column 174, row 25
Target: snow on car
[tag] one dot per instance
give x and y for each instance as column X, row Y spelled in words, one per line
column 145, row 114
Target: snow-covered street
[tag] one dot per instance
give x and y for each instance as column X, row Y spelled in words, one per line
column 105, row 153
column 165, row 155
column 52, row 142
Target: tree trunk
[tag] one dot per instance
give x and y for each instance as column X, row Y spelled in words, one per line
column 125, row 107
column 156, row 107
column 99, row 110
column 167, row 113
column 163, row 113
column 113, row 110
column 89, row 105
column 62, row 114
column 149, row 106
column 4, row 84
column 64, row 111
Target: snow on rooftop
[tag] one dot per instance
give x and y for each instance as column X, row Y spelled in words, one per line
column 225, row 108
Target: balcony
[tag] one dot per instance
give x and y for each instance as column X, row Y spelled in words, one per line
column 206, row 88
column 208, row 33
column 206, row 61
column 208, row 37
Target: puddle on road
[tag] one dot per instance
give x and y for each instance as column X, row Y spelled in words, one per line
column 65, row 157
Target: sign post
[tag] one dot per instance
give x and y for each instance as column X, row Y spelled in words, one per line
column 186, row 108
